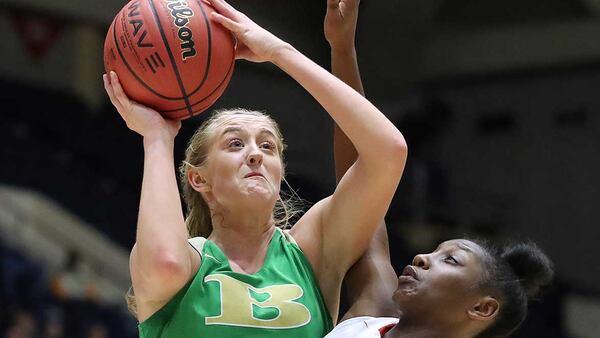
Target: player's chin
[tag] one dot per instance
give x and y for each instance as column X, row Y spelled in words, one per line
column 260, row 193
column 405, row 292
column 260, row 186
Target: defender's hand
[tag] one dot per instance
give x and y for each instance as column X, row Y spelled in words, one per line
column 340, row 22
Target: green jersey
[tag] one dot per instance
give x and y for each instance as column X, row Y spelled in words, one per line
column 282, row 299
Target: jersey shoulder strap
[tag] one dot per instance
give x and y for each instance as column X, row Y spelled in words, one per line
column 197, row 243
column 288, row 236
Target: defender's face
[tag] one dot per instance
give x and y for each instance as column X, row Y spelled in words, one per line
column 443, row 284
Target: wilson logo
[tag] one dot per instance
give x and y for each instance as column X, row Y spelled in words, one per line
column 181, row 14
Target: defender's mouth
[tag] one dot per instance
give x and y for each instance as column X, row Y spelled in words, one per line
column 410, row 271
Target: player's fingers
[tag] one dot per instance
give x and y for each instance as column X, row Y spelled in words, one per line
column 333, row 4
column 226, row 22
column 107, row 87
column 119, row 94
column 110, row 92
column 225, row 9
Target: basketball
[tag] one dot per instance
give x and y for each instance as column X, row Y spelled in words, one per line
column 169, row 55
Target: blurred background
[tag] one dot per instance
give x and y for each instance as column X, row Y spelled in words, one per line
column 498, row 101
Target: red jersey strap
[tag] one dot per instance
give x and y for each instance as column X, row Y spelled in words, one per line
column 385, row 329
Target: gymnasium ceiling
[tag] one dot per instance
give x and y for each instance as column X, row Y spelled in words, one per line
column 422, row 40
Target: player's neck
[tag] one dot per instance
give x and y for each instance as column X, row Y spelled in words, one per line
column 245, row 248
column 414, row 331
column 249, row 218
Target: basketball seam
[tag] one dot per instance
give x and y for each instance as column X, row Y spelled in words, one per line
column 223, row 82
column 207, row 96
column 209, row 52
column 171, row 57
column 207, row 24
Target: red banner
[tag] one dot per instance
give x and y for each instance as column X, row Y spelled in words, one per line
column 37, row 32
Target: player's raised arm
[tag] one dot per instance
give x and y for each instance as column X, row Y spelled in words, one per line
column 161, row 261
column 370, row 282
column 337, row 230
column 340, row 31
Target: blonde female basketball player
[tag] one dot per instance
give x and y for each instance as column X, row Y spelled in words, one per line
column 248, row 278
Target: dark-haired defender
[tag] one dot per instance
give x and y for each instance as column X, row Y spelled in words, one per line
column 463, row 289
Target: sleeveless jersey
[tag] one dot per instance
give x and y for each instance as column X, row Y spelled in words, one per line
column 282, row 299
column 362, row 327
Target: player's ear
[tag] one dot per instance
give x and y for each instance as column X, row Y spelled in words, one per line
column 485, row 309
column 198, row 182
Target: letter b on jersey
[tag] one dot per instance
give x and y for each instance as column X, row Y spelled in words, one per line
column 239, row 305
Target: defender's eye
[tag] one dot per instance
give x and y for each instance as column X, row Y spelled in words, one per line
column 451, row 259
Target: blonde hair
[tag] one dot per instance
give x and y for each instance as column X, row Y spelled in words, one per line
column 198, row 218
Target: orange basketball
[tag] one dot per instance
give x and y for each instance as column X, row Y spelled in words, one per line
column 169, row 55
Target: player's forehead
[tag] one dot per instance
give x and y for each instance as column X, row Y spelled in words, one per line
column 247, row 127
column 460, row 244
column 472, row 253
column 248, row 124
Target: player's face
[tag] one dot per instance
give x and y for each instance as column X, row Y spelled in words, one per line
column 442, row 285
column 244, row 165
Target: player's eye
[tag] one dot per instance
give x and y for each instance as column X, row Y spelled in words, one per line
column 451, row 259
column 235, row 143
column 267, row 145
